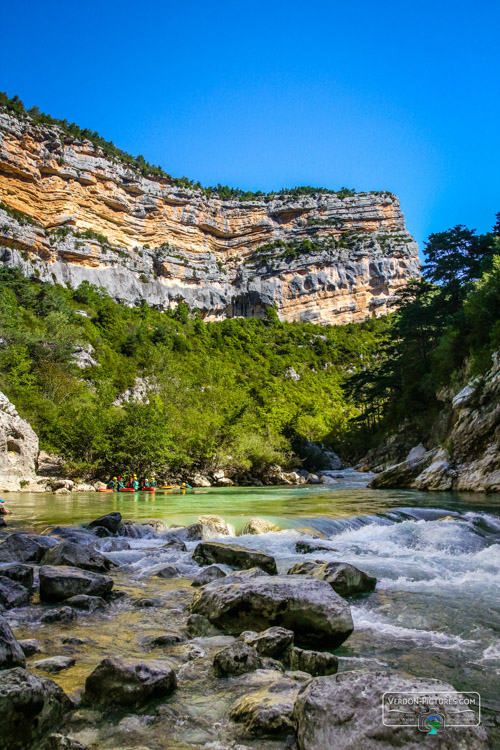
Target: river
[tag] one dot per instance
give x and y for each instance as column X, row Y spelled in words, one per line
column 435, row 611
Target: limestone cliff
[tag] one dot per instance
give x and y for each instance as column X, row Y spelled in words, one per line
column 322, row 257
column 18, row 448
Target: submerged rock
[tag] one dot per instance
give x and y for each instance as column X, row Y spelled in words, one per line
column 53, row 664
column 30, row 707
column 237, row 658
column 233, row 555
column 24, row 548
column 160, row 641
column 58, row 614
column 111, row 522
column 308, row 607
column 128, row 683
column 60, row 583
column 12, row 594
column 259, row 526
column 345, row 579
column 304, row 547
column 344, row 712
column 30, row 647
column 212, row 573
column 77, row 555
column 86, row 603
column 269, row 711
column 169, row 571
column 11, row 653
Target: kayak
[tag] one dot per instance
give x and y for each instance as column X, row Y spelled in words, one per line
column 148, row 489
column 127, row 489
column 106, row 490
column 165, row 487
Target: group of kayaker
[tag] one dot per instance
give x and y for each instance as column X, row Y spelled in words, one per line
column 118, row 484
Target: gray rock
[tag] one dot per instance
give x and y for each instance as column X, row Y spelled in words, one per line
column 30, row 647
column 53, row 664
column 305, row 547
column 146, row 602
column 233, row 555
column 24, row 548
column 173, row 545
column 111, row 522
column 85, row 603
column 11, row 653
column 268, row 712
column 60, row 583
column 12, row 594
column 49, row 464
column 18, row 447
column 60, row 742
column 209, row 574
column 78, row 556
column 273, row 642
column 345, row 579
column 160, row 641
column 216, row 525
column 199, row 626
column 403, row 475
column 344, row 712
column 315, row 663
column 30, row 707
column 259, row 526
column 22, row 574
column 237, row 658
column 309, row 607
column 169, row 571
column 128, row 683
column 58, row 614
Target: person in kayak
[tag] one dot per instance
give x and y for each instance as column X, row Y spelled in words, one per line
column 145, row 485
column 153, row 482
column 112, row 484
column 120, row 484
column 186, row 486
column 135, row 482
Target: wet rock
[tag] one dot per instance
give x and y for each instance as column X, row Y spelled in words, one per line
column 403, row 475
column 246, row 575
column 146, row 602
column 344, row 712
column 53, row 664
column 60, row 742
column 156, row 524
column 78, row 556
column 439, row 475
column 345, row 579
column 22, row 574
column 111, row 522
column 30, row 647
column 12, row 594
column 233, row 555
column 309, row 607
column 101, row 532
column 24, row 548
column 110, row 544
column 269, row 711
column 305, row 547
column 128, row 683
column 75, row 641
column 11, row 653
column 237, row 658
column 259, row 526
column 199, row 626
column 173, row 545
column 160, row 641
column 315, row 663
column 58, row 614
column 217, row 525
column 273, row 642
column 30, row 707
column 209, row 574
column 60, row 583
column 86, row 603
column 169, row 571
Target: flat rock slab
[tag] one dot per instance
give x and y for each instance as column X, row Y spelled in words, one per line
column 127, row 683
column 344, row 712
column 60, row 583
column 308, row 607
column 53, row 664
column 207, row 553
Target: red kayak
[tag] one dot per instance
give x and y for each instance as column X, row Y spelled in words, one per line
column 147, row 489
column 127, row 489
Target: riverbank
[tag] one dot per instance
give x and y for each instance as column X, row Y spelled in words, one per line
column 429, row 615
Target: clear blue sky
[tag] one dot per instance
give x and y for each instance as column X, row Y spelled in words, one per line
column 263, row 95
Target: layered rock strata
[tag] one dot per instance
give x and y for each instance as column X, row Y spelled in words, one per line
column 96, row 220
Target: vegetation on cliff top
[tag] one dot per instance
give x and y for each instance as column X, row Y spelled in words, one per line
column 15, row 106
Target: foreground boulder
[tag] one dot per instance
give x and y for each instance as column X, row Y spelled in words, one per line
column 273, row 642
column 22, row 574
column 237, row 658
column 77, row 555
column 11, row 653
column 12, row 594
column 30, row 708
column 344, row 712
column 212, row 573
column 269, row 711
column 60, row 583
column 111, row 522
column 259, row 526
column 308, row 607
column 25, row 548
column 233, row 555
column 128, row 683
column 345, row 579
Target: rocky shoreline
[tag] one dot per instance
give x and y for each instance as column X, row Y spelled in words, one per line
column 240, row 655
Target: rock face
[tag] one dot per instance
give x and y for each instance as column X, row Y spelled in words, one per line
column 30, row 707
column 234, row 555
column 155, row 241
column 344, row 712
column 18, row 447
column 128, row 683
column 345, row 579
column 308, row 607
column 63, row 582
column 471, row 460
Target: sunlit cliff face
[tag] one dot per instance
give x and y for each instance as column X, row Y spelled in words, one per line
column 162, row 243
